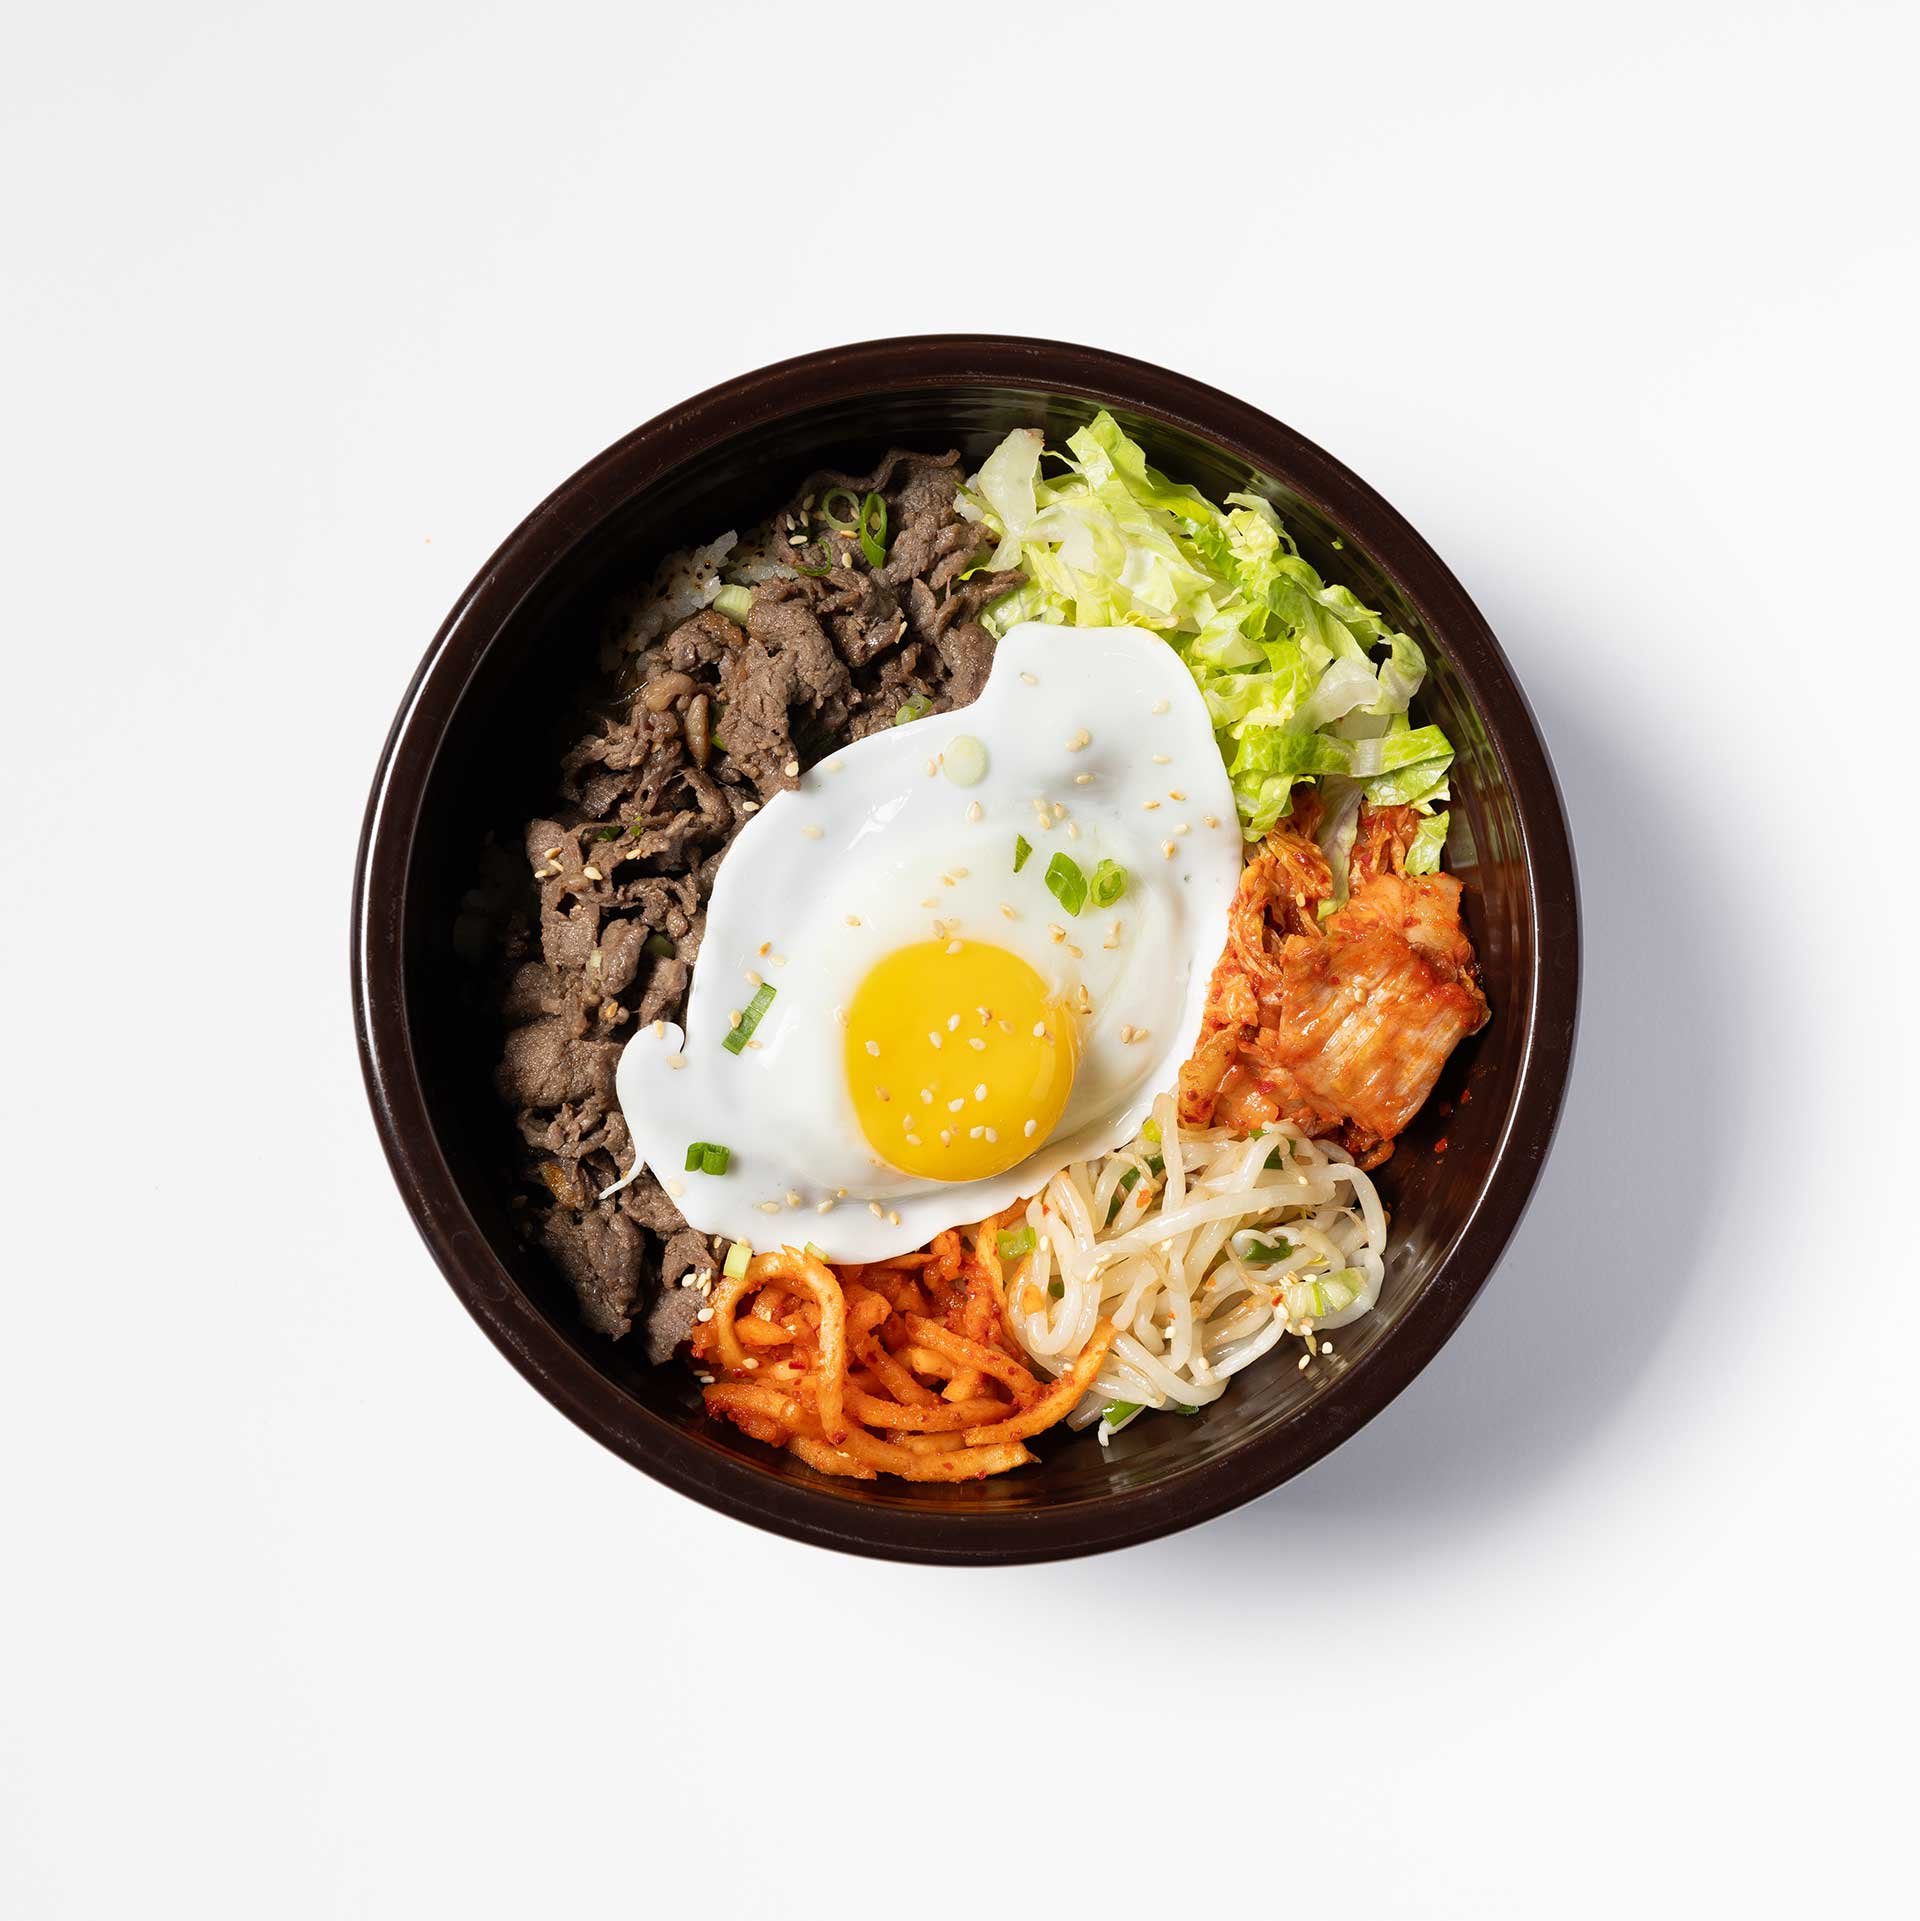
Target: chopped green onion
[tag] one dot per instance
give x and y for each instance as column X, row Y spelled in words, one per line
column 1265, row 1253
column 1278, row 1158
column 818, row 1252
column 734, row 602
column 1066, row 883
column 1117, row 1411
column 965, row 761
column 914, row 707
column 852, row 521
column 750, row 1015
column 704, row 1157
column 610, row 833
column 1128, row 1182
column 1156, row 1163
column 1013, row 1245
column 1109, row 883
column 873, row 530
column 1180, row 1407
column 738, row 1255
column 1056, row 1289
column 1151, row 1131
column 1022, row 847
column 659, row 946
column 813, row 573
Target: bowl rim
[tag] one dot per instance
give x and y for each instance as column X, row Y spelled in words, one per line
column 1548, row 999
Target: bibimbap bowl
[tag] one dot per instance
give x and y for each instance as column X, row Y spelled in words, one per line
column 474, row 745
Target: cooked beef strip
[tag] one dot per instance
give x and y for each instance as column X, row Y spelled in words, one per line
column 623, row 865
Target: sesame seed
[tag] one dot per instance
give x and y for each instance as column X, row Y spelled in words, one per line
column 553, row 853
column 733, row 1017
column 840, row 1014
column 705, row 1314
column 765, row 948
column 1008, row 911
column 659, row 1030
column 1161, row 760
column 873, row 1208
column 946, row 1137
column 676, row 1188
column 1166, row 848
column 932, row 900
column 1304, row 1359
column 954, row 946
column 1148, row 806
column 779, row 960
column 791, row 769
column 1126, row 1033
column 933, row 1039
column 926, row 1094
column 933, row 766
column 974, row 1133
column 853, row 920
column 1082, row 780
column 676, row 1060
column 1326, row 1347
column 1055, row 933
column 1059, row 810
column 793, row 1199
column 913, row 1140
column 1031, row 1128
column 975, row 811
column 592, row 872
column 769, row 1207
column 1030, row 680
column 1076, row 952
column 893, row 1220
column 753, row 979
column 755, row 1045
column 953, row 1023
column 1039, row 1030
column 1212, row 820
column 823, row 1207
column 1078, row 739
column 1073, row 830
column 953, row 1107
column 812, row 831
column 959, row 873
column 979, row 1090
column 1161, row 706
column 992, row 1138
column 1173, row 793
column 976, row 1043
column 1181, row 827
column 882, row 1094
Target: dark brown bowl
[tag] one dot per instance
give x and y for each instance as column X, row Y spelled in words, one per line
column 475, row 745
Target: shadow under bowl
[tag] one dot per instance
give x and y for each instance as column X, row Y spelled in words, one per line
column 475, row 747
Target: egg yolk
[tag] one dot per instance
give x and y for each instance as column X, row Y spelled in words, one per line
column 958, row 1059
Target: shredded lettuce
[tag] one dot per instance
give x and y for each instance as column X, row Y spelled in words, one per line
column 1302, row 681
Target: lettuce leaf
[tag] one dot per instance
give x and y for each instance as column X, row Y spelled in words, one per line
column 1303, row 682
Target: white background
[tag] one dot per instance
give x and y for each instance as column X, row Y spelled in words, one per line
column 311, row 1606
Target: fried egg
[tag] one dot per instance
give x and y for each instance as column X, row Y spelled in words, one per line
column 964, row 952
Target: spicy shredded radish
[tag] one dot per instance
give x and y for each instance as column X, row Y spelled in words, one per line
column 1203, row 1248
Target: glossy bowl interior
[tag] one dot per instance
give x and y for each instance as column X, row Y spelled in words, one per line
column 475, row 748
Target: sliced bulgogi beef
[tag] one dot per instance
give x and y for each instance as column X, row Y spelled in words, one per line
column 721, row 717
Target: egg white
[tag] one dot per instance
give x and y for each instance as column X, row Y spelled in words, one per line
column 830, row 878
